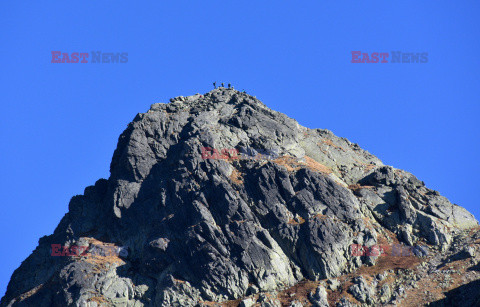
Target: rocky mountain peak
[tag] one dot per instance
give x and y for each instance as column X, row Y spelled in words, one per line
column 217, row 199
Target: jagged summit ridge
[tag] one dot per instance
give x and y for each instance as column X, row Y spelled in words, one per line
column 244, row 120
column 202, row 229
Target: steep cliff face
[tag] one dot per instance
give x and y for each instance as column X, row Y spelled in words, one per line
column 217, row 198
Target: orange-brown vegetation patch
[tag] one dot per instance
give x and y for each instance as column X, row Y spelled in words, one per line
column 232, row 303
column 384, row 263
column 299, row 221
column 236, row 177
column 335, row 296
column 436, row 289
column 388, row 262
column 320, row 216
column 387, row 237
column 399, row 173
column 457, row 265
column 298, row 292
column 179, row 281
column 98, row 299
column 330, row 143
column 100, row 262
column 460, row 273
column 355, row 187
column 208, row 303
column 316, row 166
column 291, row 164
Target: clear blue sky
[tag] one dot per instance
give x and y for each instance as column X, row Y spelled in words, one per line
column 60, row 122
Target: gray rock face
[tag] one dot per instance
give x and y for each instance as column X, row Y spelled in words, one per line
column 362, row 291
column 198, row 225
column 249, row 302
column 333, row 284
column 320, row 298
column 402, row 204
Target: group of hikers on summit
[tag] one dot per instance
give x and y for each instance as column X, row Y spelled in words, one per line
column 223, row 85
